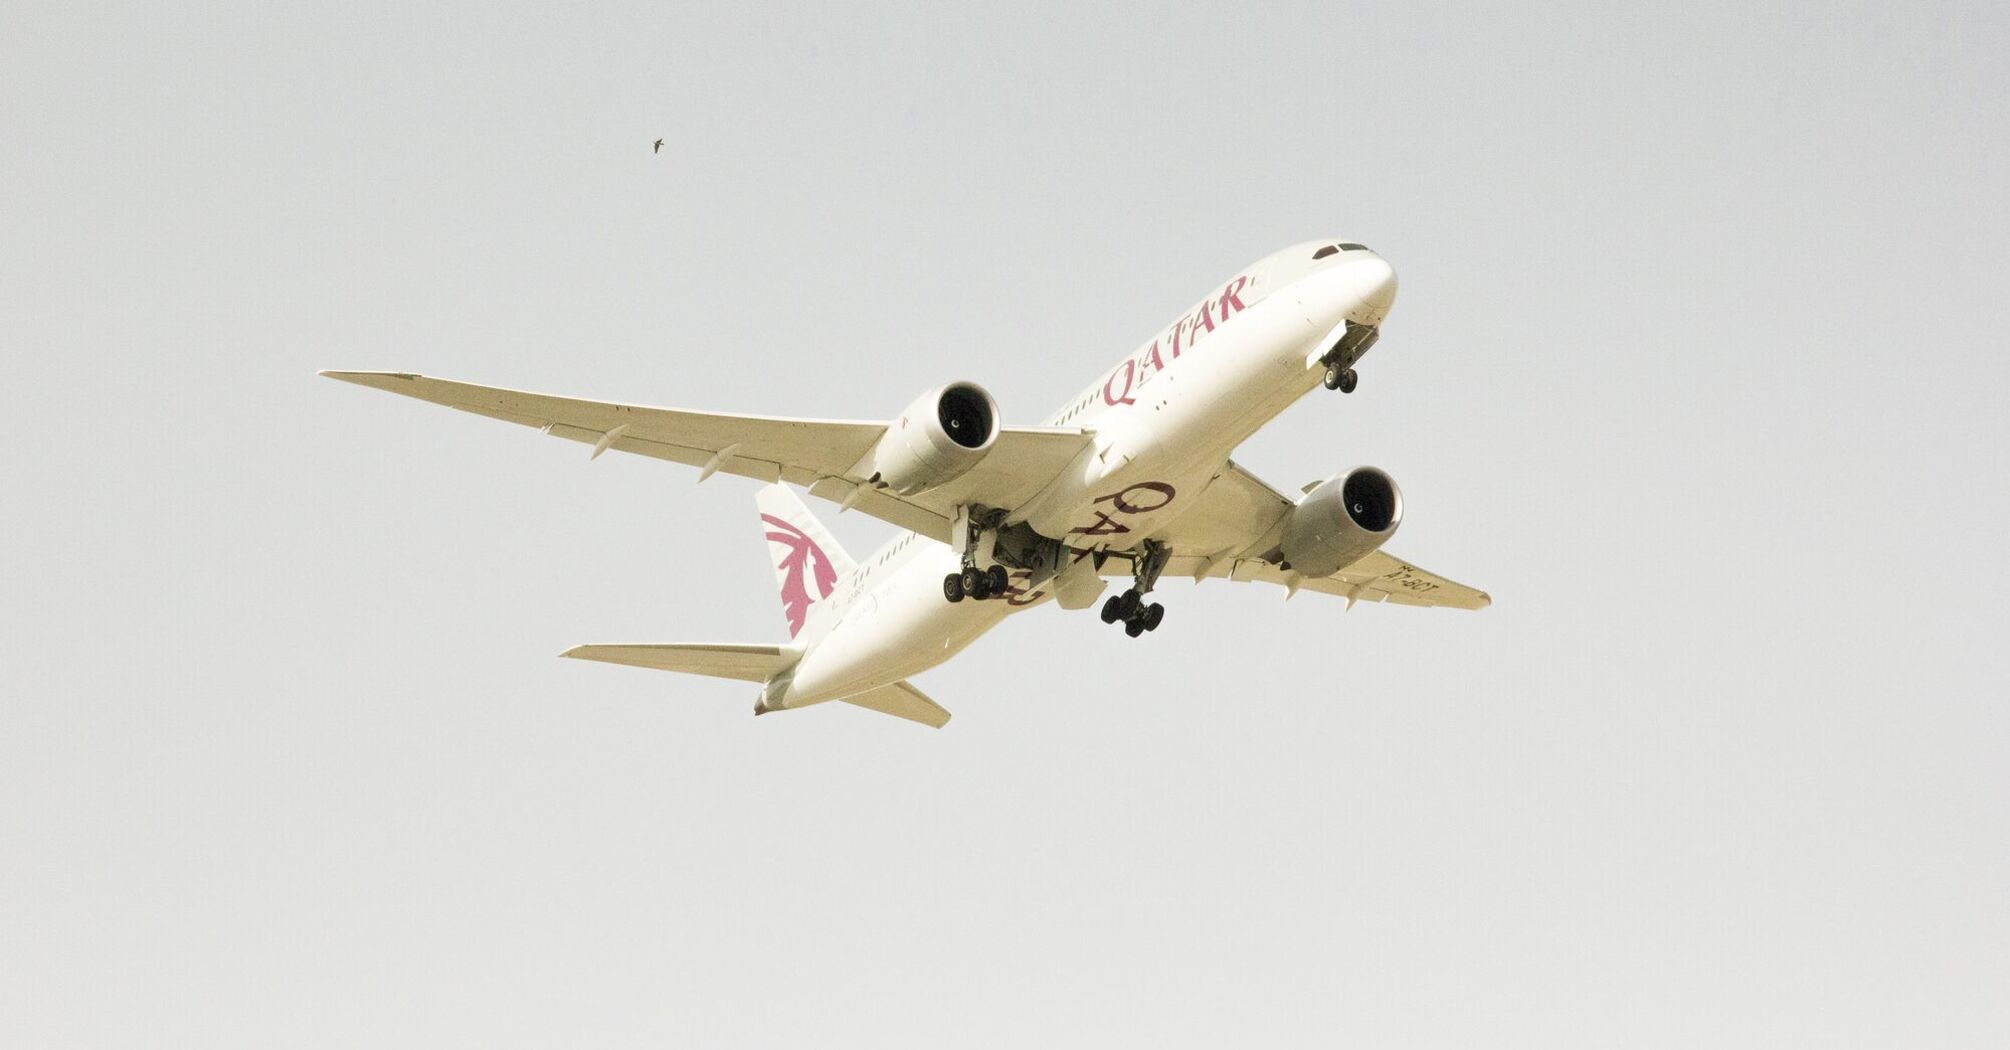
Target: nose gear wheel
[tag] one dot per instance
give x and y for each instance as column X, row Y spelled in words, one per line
column 1339, row 360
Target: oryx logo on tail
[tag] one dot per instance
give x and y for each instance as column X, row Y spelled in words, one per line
column 803, row 560
column 808, row 561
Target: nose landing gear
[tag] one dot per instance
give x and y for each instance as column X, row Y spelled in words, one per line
column 1339, row 361
column 1342, row 379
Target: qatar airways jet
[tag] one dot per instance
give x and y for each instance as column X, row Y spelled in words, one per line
column 1132, row 479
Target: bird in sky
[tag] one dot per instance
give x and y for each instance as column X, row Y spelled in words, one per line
column 659, row 146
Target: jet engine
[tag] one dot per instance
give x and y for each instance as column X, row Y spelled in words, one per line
column 941, row 435
column 1341, row 521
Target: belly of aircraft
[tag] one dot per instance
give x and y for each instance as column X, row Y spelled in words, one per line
column 902, row 628
column 1163, row 450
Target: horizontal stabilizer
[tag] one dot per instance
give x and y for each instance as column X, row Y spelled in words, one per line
column 747, row 663
column 902, row 700
column 757, row 663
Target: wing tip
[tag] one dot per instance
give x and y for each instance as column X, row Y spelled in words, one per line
column 934, row 720
column 366, row 378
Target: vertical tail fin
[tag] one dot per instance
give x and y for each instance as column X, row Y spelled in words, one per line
column 808, row 560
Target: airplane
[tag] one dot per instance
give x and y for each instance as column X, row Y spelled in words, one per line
column 1133, row 478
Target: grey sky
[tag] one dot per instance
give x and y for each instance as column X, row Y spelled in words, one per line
column 1697, row 368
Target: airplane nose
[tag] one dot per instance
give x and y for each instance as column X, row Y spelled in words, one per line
column 1360, row 290
column 1374, row 282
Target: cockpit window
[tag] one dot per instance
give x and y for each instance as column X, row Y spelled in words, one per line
column 1326, row 251
column 1353, row 247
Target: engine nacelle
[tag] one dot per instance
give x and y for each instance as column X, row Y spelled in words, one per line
column 1342, row 521
column 940, row 436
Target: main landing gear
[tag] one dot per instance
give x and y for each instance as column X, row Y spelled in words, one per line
column 1339, row 361
column 1130, row 607
column 998, row 558
column 975, row 583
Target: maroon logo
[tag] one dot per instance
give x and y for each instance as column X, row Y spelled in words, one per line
column 804, row 559
column 1186, row 331
column 1141, row 498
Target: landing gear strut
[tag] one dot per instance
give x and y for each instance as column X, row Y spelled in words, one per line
column 974, row 581
column 1339, row 361
column 1130, row 607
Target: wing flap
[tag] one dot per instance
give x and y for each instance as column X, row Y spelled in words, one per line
column 744, row 466
column 878, row 503
column 1382, row 576
column 1379, row 577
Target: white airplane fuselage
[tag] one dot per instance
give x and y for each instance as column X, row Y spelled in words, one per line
column 1165, row 420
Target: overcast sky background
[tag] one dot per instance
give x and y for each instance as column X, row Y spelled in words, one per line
column 1698, row 367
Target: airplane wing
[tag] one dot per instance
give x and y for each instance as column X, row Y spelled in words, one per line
column 819, row 454
column 1239, row 519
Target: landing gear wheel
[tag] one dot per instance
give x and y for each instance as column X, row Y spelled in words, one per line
column 952, row 587
column 973, row 580
column 1153, row 615
column 1128, row 603
column 1342, row 379
column 1134, row 627
column 1113, row 610
column 998, row 580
